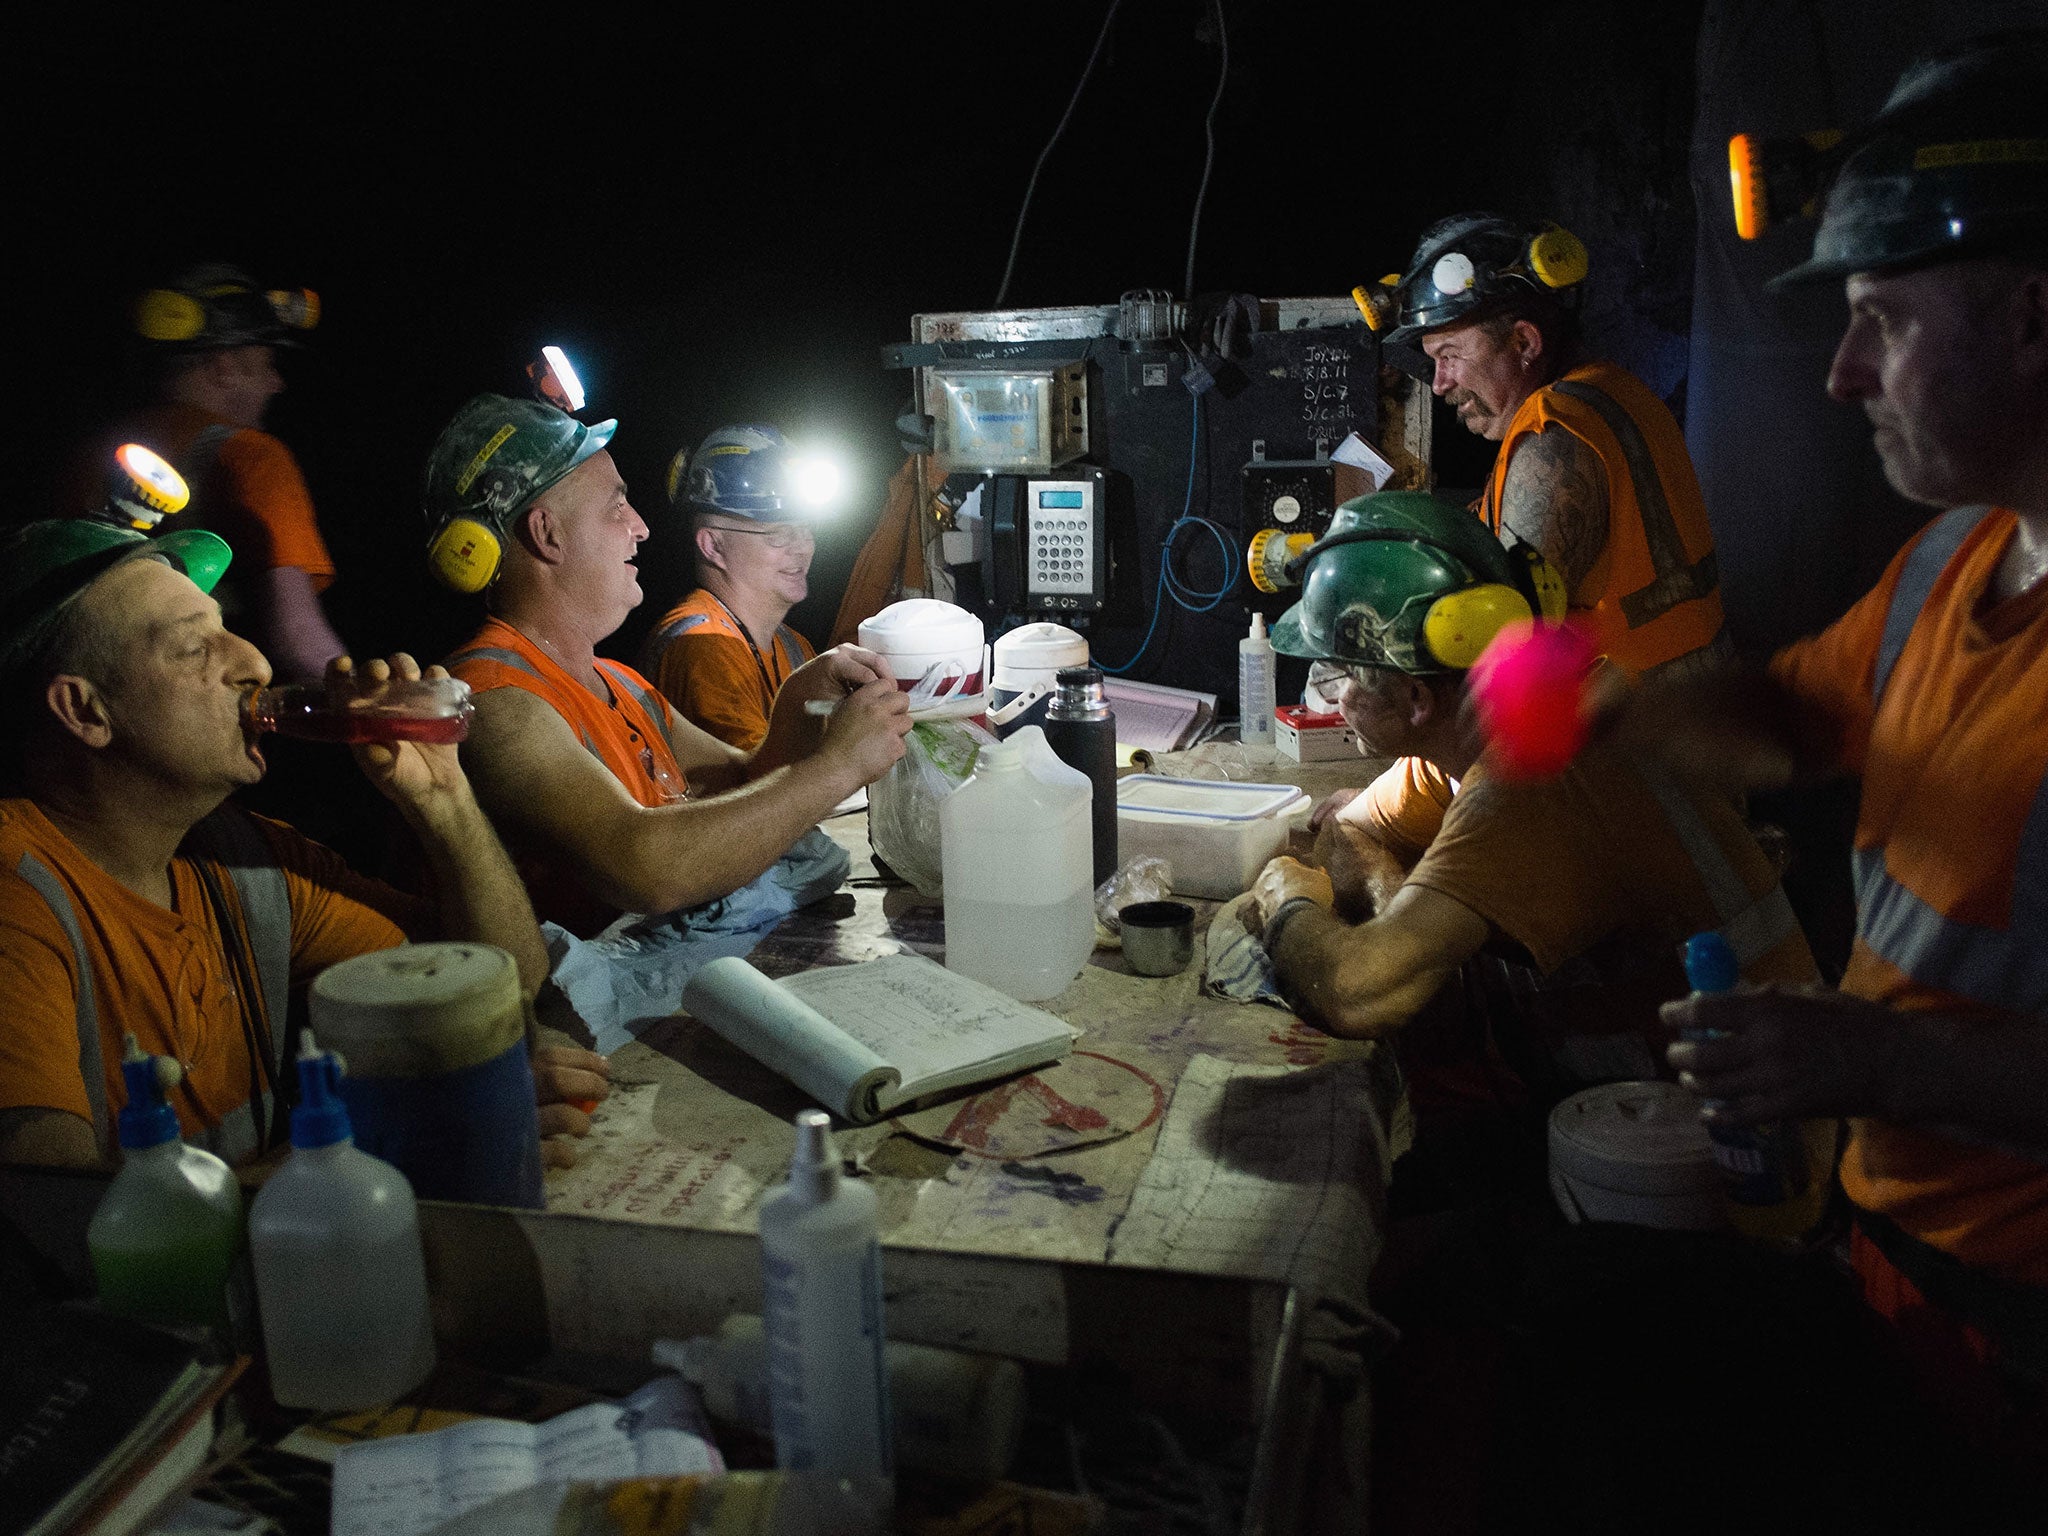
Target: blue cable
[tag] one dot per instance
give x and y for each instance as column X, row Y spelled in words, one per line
column 1184, row 597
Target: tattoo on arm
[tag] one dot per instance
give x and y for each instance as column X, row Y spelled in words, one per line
column 1555, row 498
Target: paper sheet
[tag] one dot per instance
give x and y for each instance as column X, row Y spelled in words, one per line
column 1262, row 1170
column 409, row 1484
column 631, row 1171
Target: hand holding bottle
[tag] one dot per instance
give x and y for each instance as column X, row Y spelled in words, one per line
column 401, row 722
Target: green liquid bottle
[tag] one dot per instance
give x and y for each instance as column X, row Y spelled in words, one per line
column 166, row 1234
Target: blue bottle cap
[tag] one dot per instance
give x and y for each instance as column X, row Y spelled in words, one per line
column 146, row 1120
column 319, row 1119
column 1710, row 964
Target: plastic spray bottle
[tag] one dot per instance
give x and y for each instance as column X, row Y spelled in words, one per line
column 1255, row 686
column 1771, row 1191
column 828, row 1387
column 166, row 1233
column 340, row 1275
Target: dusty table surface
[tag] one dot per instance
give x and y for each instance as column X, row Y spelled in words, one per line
column 1183, row 1132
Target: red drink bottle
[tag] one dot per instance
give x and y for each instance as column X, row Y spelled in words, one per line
column 427, row 709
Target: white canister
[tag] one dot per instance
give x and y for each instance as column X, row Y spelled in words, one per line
column 1635, row 1152
column 1033, row 653
column 936, row 651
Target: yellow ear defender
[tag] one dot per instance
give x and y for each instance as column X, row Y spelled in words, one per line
column 1377, row 303
column 465, row 553
column 164, row 314
column 1461, row 625
column 1558, row 257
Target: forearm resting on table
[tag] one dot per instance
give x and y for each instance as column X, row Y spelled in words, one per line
column 682, row 855
column 1366, row 980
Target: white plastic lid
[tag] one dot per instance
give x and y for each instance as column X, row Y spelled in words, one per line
column 1638, row 1138
column 920, row 626
column 1207, row 799
column 1036, row 651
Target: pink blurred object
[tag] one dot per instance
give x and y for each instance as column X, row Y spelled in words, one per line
column 1528, row 687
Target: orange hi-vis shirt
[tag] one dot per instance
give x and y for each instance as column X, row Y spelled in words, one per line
column 627, row 732
column 704, row 662
column 162, row 973
column 1653, row 595
column 1942, row 708
column 246, row 487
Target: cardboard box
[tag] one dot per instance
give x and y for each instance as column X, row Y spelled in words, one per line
column 1309, row 737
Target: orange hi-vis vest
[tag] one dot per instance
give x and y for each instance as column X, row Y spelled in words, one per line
column 1654, row 593
column 705, row 664
column 628, row 733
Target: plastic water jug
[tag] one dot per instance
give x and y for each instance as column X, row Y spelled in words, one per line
column 341, row 1279
column 1018, row 852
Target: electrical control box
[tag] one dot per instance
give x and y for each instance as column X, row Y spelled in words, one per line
column 1292, row 495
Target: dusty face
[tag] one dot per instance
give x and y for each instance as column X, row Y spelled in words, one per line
column 769, row 561
column 247, row 380
column 603, row 535
column 1372, row 704
column 175, row 699
column 1486, row 377
column 1931, row 357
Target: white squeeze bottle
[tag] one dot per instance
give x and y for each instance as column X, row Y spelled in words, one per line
column 1016, row 844
column 821, row 1272
column 1255, row 686
column 340, row 1277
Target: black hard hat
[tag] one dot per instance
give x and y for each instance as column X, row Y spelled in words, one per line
column 1956, row 164
column 1468, row 264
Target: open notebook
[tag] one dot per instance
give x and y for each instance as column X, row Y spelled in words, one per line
column 864, row 1040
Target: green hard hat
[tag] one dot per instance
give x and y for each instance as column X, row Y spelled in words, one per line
column 1956, row 164
column 1370, row 583
column 45, row 565
column 498, row 454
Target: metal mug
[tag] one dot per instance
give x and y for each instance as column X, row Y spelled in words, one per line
column 1159, row 936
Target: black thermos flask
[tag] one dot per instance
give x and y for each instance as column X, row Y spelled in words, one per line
column 1082, row 734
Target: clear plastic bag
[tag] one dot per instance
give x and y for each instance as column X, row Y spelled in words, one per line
column 903, row 805
column 1144, row 878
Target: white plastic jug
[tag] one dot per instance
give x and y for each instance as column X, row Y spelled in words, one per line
column 1018, row 852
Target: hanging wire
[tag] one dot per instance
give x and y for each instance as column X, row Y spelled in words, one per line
column 1187, row 283
column 1191, row 599
column 1017, row 235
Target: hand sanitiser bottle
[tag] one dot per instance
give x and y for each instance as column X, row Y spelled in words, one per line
column 340, row 1276
column 1255, row 686
column 828, row 1385
column 166, row 1233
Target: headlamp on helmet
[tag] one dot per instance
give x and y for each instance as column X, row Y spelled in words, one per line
column 214, row 307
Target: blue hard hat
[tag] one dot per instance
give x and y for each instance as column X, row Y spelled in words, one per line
column 742, row 471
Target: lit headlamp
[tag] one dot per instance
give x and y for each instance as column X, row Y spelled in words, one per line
column 143, row 489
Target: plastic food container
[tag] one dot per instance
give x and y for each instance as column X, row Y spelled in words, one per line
column 1635, row 1152
column 935, row 649
column 1217, row 835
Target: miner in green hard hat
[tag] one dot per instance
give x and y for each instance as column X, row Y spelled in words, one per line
column 136, row 902
column 1443, row 856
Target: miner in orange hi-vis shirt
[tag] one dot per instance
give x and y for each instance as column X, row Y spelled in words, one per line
column 722, row 653
column 210, row 339
column 1592, row 470
column 613, row 802
column 1933, row 691
column 136, row 902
